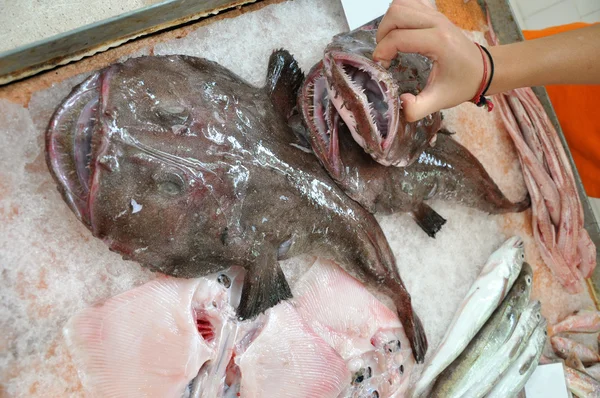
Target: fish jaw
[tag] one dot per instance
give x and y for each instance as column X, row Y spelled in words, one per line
column 322, row 121
column 367, row 99
column 70, row 145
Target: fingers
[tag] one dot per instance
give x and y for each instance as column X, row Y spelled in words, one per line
column 422, row 41
column 399, row 17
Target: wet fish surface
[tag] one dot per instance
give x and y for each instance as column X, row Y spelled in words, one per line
column 177, row 163
column 458, row 378
column 446, row 170
column 367, row 96
column 514, row 379
column 487, row 292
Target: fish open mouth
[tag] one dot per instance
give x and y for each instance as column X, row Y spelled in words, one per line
column 322, row 120
column 366, row 98
column 70, row 145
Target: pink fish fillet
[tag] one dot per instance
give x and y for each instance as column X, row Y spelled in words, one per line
column 366, row 333
column 288, row 360
column 150, row 341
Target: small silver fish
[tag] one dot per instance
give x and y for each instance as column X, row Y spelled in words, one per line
column 489, row 289
column 518, row 373
column 463, row 373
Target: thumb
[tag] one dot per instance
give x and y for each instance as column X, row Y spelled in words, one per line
column 421, row 105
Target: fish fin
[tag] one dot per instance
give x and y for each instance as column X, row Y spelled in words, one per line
column 300, row 131
column 428, row 219
column 284, row 79
column 446, row 132
column 264, row 286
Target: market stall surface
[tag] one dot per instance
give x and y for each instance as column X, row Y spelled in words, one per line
column 52, row 267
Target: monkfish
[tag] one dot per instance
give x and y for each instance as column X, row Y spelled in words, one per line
column 367, row 96
column 445, row 171
column 177, row 163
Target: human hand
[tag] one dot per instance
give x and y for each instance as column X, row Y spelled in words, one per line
column 413, row 26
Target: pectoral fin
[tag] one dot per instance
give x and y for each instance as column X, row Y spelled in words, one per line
column 264, row 286
column 428, row 219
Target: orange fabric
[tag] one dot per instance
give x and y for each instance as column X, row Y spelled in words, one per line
column 578, row 111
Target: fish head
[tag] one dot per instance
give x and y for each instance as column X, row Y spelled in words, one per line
column 367, row 97
column 138, row 153
column 508, row 258
column 322, row 121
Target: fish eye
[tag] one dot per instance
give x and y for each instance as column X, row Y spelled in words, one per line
column 528, row 280
column 224, row 280
column 522, row 256
column 401, row 369
column 170, row 184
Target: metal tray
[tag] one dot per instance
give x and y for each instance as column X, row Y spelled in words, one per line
column 97, row 37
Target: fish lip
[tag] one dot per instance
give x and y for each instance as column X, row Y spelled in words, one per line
column 75, row 138
column 69, row 145
column 323, row 139
column 374, row 141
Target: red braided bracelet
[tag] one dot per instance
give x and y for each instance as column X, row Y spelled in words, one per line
column 479, row 99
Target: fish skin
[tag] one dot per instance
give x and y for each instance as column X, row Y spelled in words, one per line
column 493, row 368
column 515, row 378
column 402, row 143
column 192, row 169
column 445, row 171
column 594, row 371
column 583, row 321
column 281, row 370
column 485, row 295
column 574, row 362
column 145, row 342
column 365, row 332
column 582, row 384
column 457, row 378
column 564, row 346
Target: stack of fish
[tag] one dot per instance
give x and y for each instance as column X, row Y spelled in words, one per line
column 174, row 337
column 496, row 338
column 582, row 363
column 557, row 213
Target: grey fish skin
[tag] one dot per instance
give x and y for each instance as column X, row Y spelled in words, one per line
column 445, row 171
column 515, row 378
column 457, row 378
column 367, row 96
column 177, row 163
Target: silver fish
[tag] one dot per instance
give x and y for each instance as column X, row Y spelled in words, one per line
column 463, row 373
column 521, row 370
column 486, row 293
column 493, row 369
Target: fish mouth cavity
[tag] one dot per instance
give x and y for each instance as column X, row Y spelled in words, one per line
column 373, row 86
column 322, row 120
column 70, row 145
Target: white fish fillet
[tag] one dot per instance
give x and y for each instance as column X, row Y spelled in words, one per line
column 288, row 360
column 366, row 333
column 486, row 293
column 145, row 342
